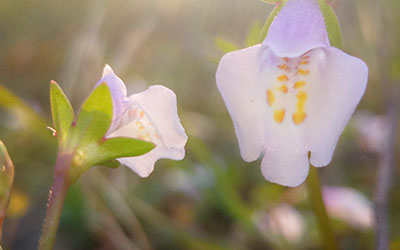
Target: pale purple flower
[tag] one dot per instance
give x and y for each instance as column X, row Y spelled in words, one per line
column 349, row 205
column 151, row 116
column 284, row 220
column 292, row 94
column 372, row 130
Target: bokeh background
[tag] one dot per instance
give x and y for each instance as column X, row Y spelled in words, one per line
column 212, row 199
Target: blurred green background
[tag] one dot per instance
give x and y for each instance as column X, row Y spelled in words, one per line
column 212, row 199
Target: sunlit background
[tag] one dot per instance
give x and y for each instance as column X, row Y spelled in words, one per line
column 212, row 199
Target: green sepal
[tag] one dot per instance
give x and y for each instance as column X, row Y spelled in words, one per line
column 95, row 116
column 253, row 35
column 117, row 147
column 86, row 142
column 102, row 153
column 264, row 32
column 331, row 23
column 109, row 164
column 62, row 112
column 224, row 45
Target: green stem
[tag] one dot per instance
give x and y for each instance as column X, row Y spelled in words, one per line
column 314, row 191
column 55, row 204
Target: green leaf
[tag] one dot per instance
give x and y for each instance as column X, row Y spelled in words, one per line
column 95, row 116
column 37, row 124
column 61, row 109
column 118, row 147
column 254, row 33
column 224, row 45
column 332, row 24
column 270, row 18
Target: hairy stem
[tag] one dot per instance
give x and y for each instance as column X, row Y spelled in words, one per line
column 55, row 203
column 315, row 194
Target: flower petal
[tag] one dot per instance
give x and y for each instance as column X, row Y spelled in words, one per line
column 152, row 115
column 159, row 104
column 144, row 165
column 335, row 86
column 285, row 162
column 298, row 28
column 237, row 80
column 118, row 93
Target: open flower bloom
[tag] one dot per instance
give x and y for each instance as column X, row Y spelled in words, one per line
column 292, row 94
column 151, row 116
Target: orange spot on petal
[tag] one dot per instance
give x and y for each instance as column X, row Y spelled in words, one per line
column 301, row 96
column 303, row 71
column 270, row 97
column 299, row 84
column 284, row 67
column 282, row 78
column 299, row 117
column 279, row 115
column 283, row 88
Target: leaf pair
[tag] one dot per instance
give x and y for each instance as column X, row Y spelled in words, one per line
column 84, row 137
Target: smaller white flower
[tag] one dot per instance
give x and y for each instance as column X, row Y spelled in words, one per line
column 151, row 116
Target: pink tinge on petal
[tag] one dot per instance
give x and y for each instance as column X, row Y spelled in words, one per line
column 118, row 93
column 298, row 28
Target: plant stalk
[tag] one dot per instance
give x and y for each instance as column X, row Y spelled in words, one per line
column 55, row 203
column 315, row 194
column 386, row 169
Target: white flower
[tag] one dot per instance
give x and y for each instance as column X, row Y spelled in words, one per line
column 151, row 116
column 292, row 94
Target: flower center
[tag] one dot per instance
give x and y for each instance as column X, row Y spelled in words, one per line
column 139, row 125
column 290, row 83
